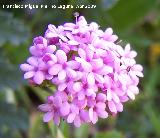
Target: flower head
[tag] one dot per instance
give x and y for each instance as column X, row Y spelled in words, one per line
column 94, row 76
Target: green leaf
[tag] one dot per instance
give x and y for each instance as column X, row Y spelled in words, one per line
column 64, row 126
column 41, row 93
column 12, row 30
column 37, row 127
column 155, row 120
column 10, row 134
column 10, row 75
column 52, row 129
column 82, row 132
column 126, row 14
column 108, row 3
column 109, row 134
column 136, row 39
column 12, row 117
column 22, row 97
column 59, row 134
column 16, row 55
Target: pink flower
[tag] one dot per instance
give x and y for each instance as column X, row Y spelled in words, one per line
column 34, row 69
column 59, row 68
column 98, row 108
column 40, row 47
column 56, row 107
column 93, row 75
column 108, row 35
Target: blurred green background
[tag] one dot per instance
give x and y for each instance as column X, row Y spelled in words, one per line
column 134, row 21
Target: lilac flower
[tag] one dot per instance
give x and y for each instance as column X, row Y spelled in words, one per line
column 34, row 69
column 108, row 35
column 40, row 47
column 97, row 108
column 93, row 75
column 54, row 108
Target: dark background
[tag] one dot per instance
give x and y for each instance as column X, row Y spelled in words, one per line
column 134, row 21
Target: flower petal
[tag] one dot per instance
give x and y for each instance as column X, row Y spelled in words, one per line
column 127, row 48
column 71, row 117
column 26, row 67
column 138, row 73
column 55, row 69
column 108, row 32
column 61, row 56
column 130, row 94
column 77, row 121
column 74, row 108
column 33, row 50
column 101, row 97
column 63, row 95
column 90, row 79
column 97, row 63
column 65, row 109
column 99, row 78
column 71, row 73
column 86, row 66
column 112, row 107
column 38, row 77
column 61, row 87
column 91, row 113
column 106, row 70
column 63, row 38
column 73, row 42
column 77, row 86
column 133, row 54
column 33, row 61
column 62, row 75
column 51, row 49
column 57, row 101
column 109, row 95
column 95, row 118
column 81, row 96
column 73, row 64
column 29, row 74
column 82, row 53
column 115, row 98
column 113, row 38
column 48, row 116
column 137, row 67
column 102, row 113
column 90, row 92
column 44, row 107
column 56, row 119
column 100, row 105
column 119, row 107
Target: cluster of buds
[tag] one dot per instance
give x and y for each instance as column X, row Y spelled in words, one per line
column 92, row 73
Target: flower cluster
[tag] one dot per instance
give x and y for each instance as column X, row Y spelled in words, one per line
column 92, row 73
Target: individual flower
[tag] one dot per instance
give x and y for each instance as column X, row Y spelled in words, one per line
column 40, row 47
column 54, row 108
column 34, row 70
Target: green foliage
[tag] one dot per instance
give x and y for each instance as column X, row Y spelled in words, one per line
column 82, row 131
column 109, row 3
column 12, row 119
column 9, row 75
column 109, row 134
column 37, row 129
column 125, row 14
column 12, row 30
